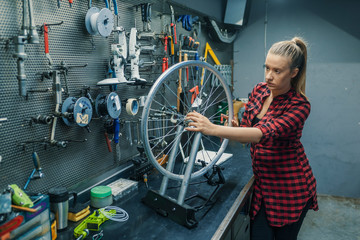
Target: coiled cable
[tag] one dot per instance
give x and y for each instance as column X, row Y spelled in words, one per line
column 120, row 216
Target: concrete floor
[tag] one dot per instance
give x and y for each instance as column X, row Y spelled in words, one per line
column 337, row 218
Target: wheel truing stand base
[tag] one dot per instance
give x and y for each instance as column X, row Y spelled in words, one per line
column 168, row 207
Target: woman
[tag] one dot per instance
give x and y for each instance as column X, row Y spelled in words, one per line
column 284, row 187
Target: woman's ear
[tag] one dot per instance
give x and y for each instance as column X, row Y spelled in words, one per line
column 294, row 72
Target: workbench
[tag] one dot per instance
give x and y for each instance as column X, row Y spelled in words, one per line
column 226, row 219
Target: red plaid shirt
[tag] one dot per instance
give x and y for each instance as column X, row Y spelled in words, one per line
column 284, row 181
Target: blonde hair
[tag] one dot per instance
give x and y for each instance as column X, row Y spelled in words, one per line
column 296, row 50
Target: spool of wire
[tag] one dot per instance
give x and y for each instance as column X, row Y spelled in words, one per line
column 120, row 216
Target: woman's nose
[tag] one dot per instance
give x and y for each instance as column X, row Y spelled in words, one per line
column 268, row 75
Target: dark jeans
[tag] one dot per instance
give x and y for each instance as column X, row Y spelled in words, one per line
column 261, row 230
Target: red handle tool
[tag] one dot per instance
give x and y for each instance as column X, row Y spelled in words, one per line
column 108, row 142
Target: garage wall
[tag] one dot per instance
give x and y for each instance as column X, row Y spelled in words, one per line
column 70, row 42
column 332, row 133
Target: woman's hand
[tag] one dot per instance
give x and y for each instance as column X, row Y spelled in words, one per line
column 199, row 123
column 234, row 123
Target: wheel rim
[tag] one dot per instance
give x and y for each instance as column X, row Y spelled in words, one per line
column 161, row 110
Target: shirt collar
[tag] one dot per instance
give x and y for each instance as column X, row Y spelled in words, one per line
column 286, row 95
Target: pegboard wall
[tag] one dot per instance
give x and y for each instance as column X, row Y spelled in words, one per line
column 70, row 43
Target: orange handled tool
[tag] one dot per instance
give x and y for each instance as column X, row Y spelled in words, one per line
column 46, row 43
column 165, row 44
column 195, row 92
column 165, row 64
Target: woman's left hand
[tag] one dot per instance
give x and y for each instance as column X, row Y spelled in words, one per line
column 199, row 123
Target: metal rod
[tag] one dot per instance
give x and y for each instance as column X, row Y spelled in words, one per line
column 34, row 36
column 189, row 168
column 25, row 25
column 171, row 160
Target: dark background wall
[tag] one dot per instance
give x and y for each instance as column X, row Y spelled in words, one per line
column 331, row 135
column 70, row 42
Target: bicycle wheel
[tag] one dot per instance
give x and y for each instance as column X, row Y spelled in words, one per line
column 185, row 87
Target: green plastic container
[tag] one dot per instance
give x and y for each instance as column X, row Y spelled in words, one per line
column 101, row 196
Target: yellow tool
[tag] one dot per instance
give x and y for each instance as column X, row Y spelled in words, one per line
column 209, row 50
column 179, row 90
column 92, row 223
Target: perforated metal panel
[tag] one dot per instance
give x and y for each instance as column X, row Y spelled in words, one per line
column 69, row 42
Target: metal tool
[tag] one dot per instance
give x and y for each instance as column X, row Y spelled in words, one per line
column 134, row 54
column 128, row 132
column 37, row 172
column 42, row 119
column 119, row 51
column 98, row 236
column 148, row 48
column 64, row 69
column 28, row 34
column 83, row 234
column 46, row 43
column 46, row 40
column 33, row 36
column 145, row 15
column 173, row 25
column 58, row 100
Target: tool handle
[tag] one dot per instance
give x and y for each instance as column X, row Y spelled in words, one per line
column 174, row 32
column 179, row 90
column 108, row 141
column 172, row 46
column 32, row 210
column 116, row 130
column 46, row 38
column 163, row 64
column 165, row 44
column 187, row 68
column 36, row 160
column 197, row 58
column 115, row 7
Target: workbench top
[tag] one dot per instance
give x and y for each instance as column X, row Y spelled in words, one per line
column 145, row 223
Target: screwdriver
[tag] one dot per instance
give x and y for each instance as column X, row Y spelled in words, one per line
column 145, row 180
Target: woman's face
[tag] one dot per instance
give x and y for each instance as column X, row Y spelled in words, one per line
column 278, row 73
